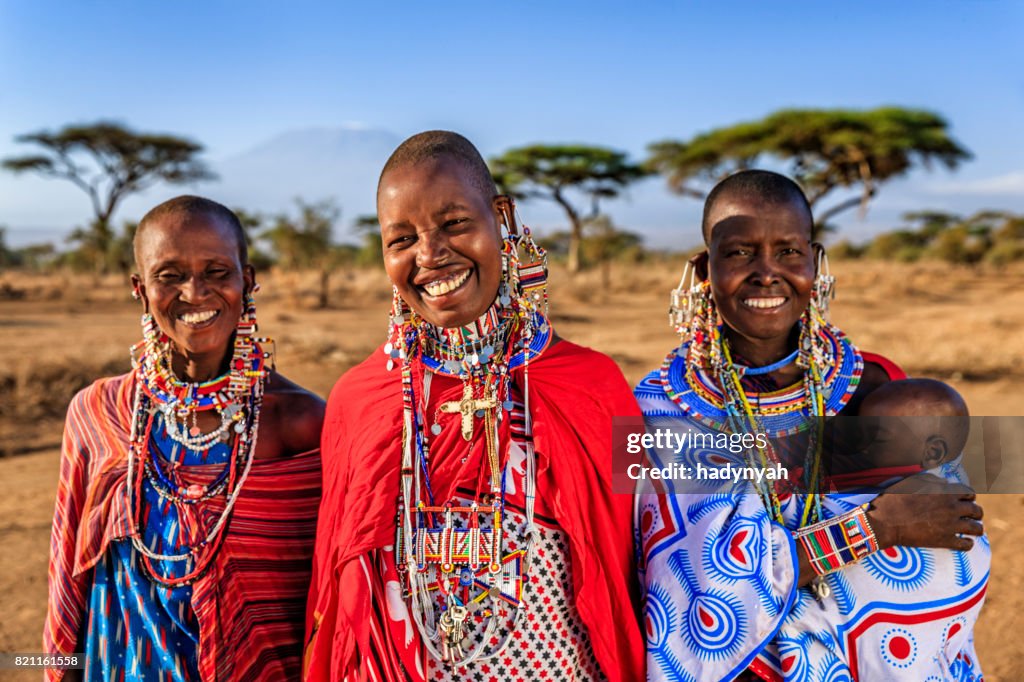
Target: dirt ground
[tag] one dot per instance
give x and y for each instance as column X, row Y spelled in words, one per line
column 961, row 325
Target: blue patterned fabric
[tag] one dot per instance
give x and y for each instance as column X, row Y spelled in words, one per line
column 721, row 595
column 137, row 629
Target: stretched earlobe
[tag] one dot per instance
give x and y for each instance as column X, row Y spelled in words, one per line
column 250, row 285
column 699, row 263
column 820, row 257
column 506, row 207
column 139, row 292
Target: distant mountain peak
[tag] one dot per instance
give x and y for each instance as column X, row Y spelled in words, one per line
column 340, row 162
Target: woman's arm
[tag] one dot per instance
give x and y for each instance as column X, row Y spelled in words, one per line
column 66, row 605
column 919, row 511
column 926, row 511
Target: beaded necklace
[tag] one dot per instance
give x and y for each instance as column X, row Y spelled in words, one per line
column 700, row 393
column 509, row 335
column 169, row 489
column 237, row 396
column 767, row 369
column 716, row 397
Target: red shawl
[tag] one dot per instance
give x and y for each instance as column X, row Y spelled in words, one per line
column 249, row 604
column 573, row 394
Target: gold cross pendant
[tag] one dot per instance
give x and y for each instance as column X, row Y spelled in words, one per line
column 467, row 407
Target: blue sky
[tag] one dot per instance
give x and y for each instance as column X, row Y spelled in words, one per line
column 233, row 75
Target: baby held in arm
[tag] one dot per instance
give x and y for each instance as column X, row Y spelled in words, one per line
column 903, row 427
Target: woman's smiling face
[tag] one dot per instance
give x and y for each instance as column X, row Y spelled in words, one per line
column 761, row 265
column 194, row 283
column 442, row 240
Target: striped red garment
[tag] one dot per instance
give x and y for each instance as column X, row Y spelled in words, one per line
column 250, row 605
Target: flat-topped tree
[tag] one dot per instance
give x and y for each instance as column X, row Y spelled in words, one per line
column 824, row 149
column 109, row 161
column 556, row 172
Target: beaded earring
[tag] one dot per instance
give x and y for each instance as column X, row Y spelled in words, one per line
column 400, row 314
column 814, row 348
column 243, row 346
column 824, row 288
column 705, row 344
column 247, row 325
column 524, row 268
column 156, row 344
column 682, row 302
column 694, row 316
column 247, row 320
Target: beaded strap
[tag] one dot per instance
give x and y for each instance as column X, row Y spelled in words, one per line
column 838, row 542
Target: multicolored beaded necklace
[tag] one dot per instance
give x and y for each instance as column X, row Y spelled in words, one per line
column 237, row 396
column 715, row 397
column 471, row 566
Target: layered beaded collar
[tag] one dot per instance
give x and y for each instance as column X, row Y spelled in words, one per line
column 699, row 393
column 494, row 343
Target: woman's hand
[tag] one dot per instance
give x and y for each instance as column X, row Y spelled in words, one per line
column 926, row 511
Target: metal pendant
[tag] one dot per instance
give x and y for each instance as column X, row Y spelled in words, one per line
column 820, row 590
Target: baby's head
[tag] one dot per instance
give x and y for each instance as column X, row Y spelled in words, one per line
column 914, row 421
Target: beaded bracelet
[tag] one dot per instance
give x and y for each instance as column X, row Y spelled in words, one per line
column 835, row 543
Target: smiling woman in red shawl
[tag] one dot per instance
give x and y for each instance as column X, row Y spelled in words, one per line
column 183, row 533
column 468, row 528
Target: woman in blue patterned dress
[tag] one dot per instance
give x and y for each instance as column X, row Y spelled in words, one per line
column 756, row 580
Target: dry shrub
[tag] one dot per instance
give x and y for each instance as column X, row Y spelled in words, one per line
column 1003, row 253
column 65, row 285
column 597, row 285
column 43, row 388
column 348, row 287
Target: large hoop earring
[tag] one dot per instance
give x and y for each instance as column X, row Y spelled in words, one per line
column 824, row 287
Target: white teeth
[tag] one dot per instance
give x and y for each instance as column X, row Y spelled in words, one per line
column 764, row 302
column 197, row 318
column 445, row 285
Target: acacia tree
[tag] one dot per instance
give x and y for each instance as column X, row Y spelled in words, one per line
column 371, row 251
column 604, row 242
column 557, row 172
column 306, row 241
column 825, row 149
column 108, row 162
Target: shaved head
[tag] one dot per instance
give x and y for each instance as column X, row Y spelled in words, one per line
column 436, row 144
column 756, row 185
column 936, row 408
column 187, row 206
